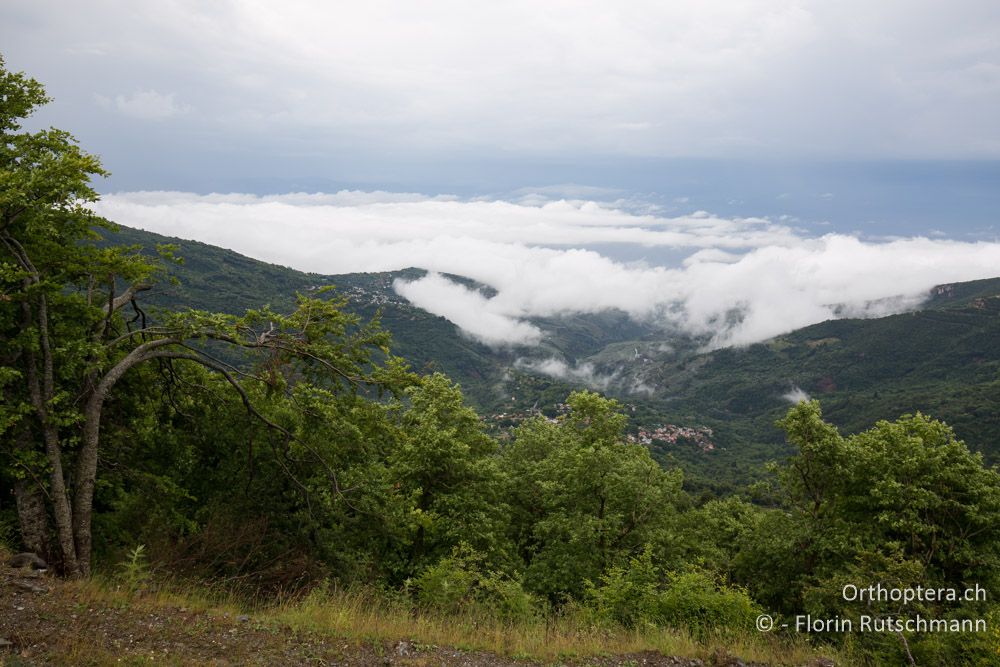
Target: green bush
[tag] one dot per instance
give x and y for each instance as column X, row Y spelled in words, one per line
column 700, row 601
column 447, row 585
column 977, row 649
column 457, row 583
column 506, row 598
column 627, row 595
column 642, row 593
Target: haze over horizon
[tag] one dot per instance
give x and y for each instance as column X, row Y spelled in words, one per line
column 790, row 159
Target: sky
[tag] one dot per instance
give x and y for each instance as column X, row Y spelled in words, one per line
column 792, row 158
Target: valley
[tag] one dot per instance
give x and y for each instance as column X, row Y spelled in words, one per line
column 941, row 359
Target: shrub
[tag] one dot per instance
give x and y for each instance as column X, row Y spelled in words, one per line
column 505, row 598
column 627, row 595
column 134, row 573
column 447, row 585
column 458, row 583
column 700, row 601
column 642, row 593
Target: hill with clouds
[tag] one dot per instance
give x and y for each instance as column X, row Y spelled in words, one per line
column 941, row 356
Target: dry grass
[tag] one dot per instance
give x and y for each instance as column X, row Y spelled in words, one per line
column 361, row 618
column 197, row 599
column 362, row 615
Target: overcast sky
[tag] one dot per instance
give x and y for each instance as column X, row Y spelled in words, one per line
column 387, row 91
column 781, row 156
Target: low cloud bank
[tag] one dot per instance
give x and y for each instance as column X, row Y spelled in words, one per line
column 584, row 373
column 471, row 311
column 742, row 280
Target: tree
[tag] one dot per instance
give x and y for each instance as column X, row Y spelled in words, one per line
column 901, row 505
column 446, row 467
column 908, row 486
column 66, row 344
column 44, row 186
column 582, row 498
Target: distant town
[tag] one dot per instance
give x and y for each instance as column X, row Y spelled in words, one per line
column 670, row 434
column 701, row 436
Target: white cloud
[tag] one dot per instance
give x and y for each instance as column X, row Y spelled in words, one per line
column 392, row 217
column 795, row 395
column 543, row 259
column 542, row 193
column 471, row 311
column 145, row 105
column 584, row 373
column 640, row 388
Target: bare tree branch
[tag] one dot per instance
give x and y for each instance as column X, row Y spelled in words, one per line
column 125, row 298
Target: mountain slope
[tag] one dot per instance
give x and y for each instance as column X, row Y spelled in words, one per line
column 943, row 359
column 215, row 279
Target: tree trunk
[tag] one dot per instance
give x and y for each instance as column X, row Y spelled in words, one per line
column 86, row 477
column 61, row 510
column 31, row 514
column 32, row 517
column 86, row 462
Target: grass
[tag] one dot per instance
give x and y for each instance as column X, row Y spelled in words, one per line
column 363, row 616
column 362, row 620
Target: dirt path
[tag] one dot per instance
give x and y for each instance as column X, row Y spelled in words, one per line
column 44, row 621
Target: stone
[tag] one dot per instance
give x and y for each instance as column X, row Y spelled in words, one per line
column 722, row 658
column 27, row 559
column 30, row 587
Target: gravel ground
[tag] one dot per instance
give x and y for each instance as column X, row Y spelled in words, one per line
column 44, row 621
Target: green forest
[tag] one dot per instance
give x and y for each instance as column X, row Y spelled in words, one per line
column 292, row 450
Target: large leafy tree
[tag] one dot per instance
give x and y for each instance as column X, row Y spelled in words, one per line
column 446, row 469
column 908, row 487
column 582, row 498
column 903, row 504
column 44, row 189
column 66, row 345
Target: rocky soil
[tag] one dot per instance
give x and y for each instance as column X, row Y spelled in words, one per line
column 45, row 621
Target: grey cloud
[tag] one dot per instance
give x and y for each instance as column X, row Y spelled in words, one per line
column 691, row 78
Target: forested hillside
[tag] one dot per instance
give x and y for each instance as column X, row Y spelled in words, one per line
column 942, row 359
